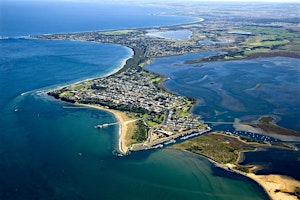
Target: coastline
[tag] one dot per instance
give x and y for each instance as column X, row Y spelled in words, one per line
column 270, row 183
column 229, row 167
column 123, row 119
column 67, row 163
column 121, row 66
column 124, row 122
column 278, row 187
column 121, row 116
column 275, row 186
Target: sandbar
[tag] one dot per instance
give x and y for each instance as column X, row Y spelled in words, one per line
column 278, row 187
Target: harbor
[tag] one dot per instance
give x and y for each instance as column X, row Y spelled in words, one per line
column 167, row 141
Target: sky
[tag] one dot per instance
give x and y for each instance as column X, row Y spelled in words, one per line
column 163, row 1
column 226, row 0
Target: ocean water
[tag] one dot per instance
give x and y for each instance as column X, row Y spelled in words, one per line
column 243, row 90
column 19, row 18
column 51, row 150
column 34, row 64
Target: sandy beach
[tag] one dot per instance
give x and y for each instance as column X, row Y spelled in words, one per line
column 126, row 126
column 278, row 187
column 125, row 123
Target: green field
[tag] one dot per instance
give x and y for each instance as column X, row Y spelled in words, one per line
column 259, row 50
column 218, row 147
column 66, row 94
column 270, row 37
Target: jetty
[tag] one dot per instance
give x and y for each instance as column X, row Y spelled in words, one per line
column 105, row 125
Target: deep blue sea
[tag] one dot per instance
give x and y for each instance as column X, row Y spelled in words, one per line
column 51, row 150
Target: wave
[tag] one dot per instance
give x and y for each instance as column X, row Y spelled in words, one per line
column 13, row 37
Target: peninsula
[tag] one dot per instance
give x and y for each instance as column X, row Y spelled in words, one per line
column 151, row 116
column 159, row 115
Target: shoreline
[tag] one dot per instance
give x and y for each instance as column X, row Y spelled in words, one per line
column 279, row 182
column 229, row 167
column 276, row 186
column 121, row 116
column 123, row 122
column 121, row 66
column 274, row 54
column 272, row 188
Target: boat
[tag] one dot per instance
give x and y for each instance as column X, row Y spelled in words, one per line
column 157, row 146
column 170, row 142
column 191, row 135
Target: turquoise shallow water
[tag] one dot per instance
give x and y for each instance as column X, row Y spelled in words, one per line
column 40, row 159
column 51, row 150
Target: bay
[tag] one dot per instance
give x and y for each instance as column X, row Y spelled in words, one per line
column 242, row 90
column 51, row 150
column 21, row 18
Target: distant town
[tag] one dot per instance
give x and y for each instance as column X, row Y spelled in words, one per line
column 235, row 35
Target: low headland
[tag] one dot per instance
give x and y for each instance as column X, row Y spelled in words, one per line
column 150, row 116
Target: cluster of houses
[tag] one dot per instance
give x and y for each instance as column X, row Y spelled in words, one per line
column 184, row 123
column 176, row 126
column 135, row 89
column 154, row 47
